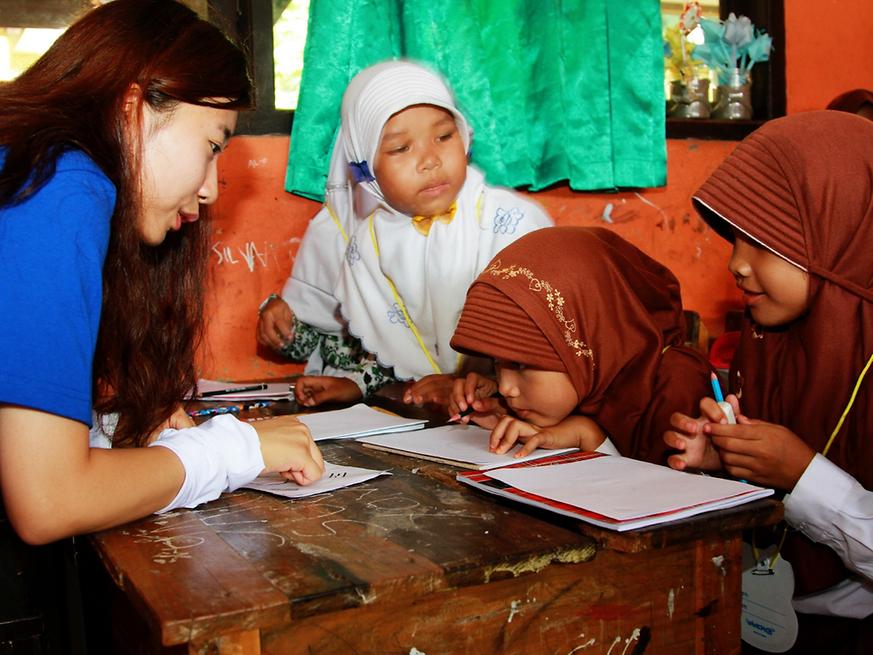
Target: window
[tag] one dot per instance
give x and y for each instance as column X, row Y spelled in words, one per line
column 768, row 88
column 28, row 28
column 274, row 33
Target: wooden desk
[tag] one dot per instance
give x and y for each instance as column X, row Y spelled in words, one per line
column 417, row 563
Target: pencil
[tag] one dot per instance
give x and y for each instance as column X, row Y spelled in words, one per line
column 462, row 414
column 469, row 410
column 224, row 392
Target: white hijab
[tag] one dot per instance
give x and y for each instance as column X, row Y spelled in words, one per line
column 364, row 267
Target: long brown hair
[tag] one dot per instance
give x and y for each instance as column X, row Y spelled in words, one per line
column 73, row 98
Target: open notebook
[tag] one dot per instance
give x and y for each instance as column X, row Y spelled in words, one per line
column 460, row 445
column 613, row 492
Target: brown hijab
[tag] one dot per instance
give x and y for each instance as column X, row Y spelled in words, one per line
column 587, row 302
column 857, row 101
column 802, row 186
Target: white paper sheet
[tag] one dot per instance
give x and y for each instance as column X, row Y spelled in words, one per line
column 461, row 445
column 335, row 477
column 356, row 421
column 622, row 488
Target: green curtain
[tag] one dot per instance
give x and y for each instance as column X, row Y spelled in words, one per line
column 555, row 90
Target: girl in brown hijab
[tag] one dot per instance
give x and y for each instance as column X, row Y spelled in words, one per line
column 796, row 200
column 586, row 332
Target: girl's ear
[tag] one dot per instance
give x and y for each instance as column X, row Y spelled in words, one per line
column 131, row 103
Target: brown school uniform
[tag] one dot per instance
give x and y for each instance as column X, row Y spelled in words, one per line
column 587, row 302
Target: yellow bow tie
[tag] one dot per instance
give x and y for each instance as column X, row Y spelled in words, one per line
column 423, row 223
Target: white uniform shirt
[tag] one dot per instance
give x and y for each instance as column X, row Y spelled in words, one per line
column 832, row 508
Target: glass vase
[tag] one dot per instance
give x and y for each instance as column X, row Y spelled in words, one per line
column 689, row 100
column 733, row 101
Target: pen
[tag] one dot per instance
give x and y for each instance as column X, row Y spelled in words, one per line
column 725, row 407
column 215, row 411
column 224, row 392
column 719, row 398
column 260, row 403
column 716, row 388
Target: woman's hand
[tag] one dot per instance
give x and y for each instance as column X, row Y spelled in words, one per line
column 765, row 453
column 288, row 449
column 474, row 391
column 312, row 390
column 696, row 449
column 430, row 390
column 274, row 324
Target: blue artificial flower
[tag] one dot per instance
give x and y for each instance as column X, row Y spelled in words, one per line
column 361, row 171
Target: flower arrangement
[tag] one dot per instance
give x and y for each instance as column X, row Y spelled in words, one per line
column 731, row 47
column 679, row 57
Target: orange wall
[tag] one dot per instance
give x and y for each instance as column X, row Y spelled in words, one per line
column 827, row 50
column 257, row 229
column 258, row 225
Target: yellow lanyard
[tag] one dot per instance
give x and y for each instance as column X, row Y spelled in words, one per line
column 336, row 220
column 399, row 301
column 824, row 452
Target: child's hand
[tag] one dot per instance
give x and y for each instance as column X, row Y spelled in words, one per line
column 312, row 390
column 761, row 452
column 473, row 390
column 431, row 390
column 696, row 448
column 178, row 420
column 288, row 449
column 274, row 324
column 575, row 431
column 508, row 430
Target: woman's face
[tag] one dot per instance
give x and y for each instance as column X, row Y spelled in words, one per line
column 180, row 150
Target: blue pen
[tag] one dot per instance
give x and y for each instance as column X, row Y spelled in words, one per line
column 215, row 411
column 256, row 404
column 725, row 406
column 716, row 388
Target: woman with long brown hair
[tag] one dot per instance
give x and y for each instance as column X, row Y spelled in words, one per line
column 108, row 154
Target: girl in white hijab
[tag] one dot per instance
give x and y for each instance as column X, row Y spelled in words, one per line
column 406, row 227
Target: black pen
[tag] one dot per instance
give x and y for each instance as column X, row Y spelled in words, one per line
column 224, row 392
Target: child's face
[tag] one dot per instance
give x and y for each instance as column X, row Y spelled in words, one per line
column 179, row 165
column 776, row 291
column 543, row 398
column 420, row 163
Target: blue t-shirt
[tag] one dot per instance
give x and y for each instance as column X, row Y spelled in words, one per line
column 52, row 248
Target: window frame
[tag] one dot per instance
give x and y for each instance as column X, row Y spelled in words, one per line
column 768, row 89
column 242, row 20
column 254, row 17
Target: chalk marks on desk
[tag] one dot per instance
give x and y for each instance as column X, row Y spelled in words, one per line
column 636, row 642
column 374, row 508
column 340, row 514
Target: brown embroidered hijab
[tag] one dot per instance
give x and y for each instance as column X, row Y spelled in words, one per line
column 587, row 302
column 802, row 186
